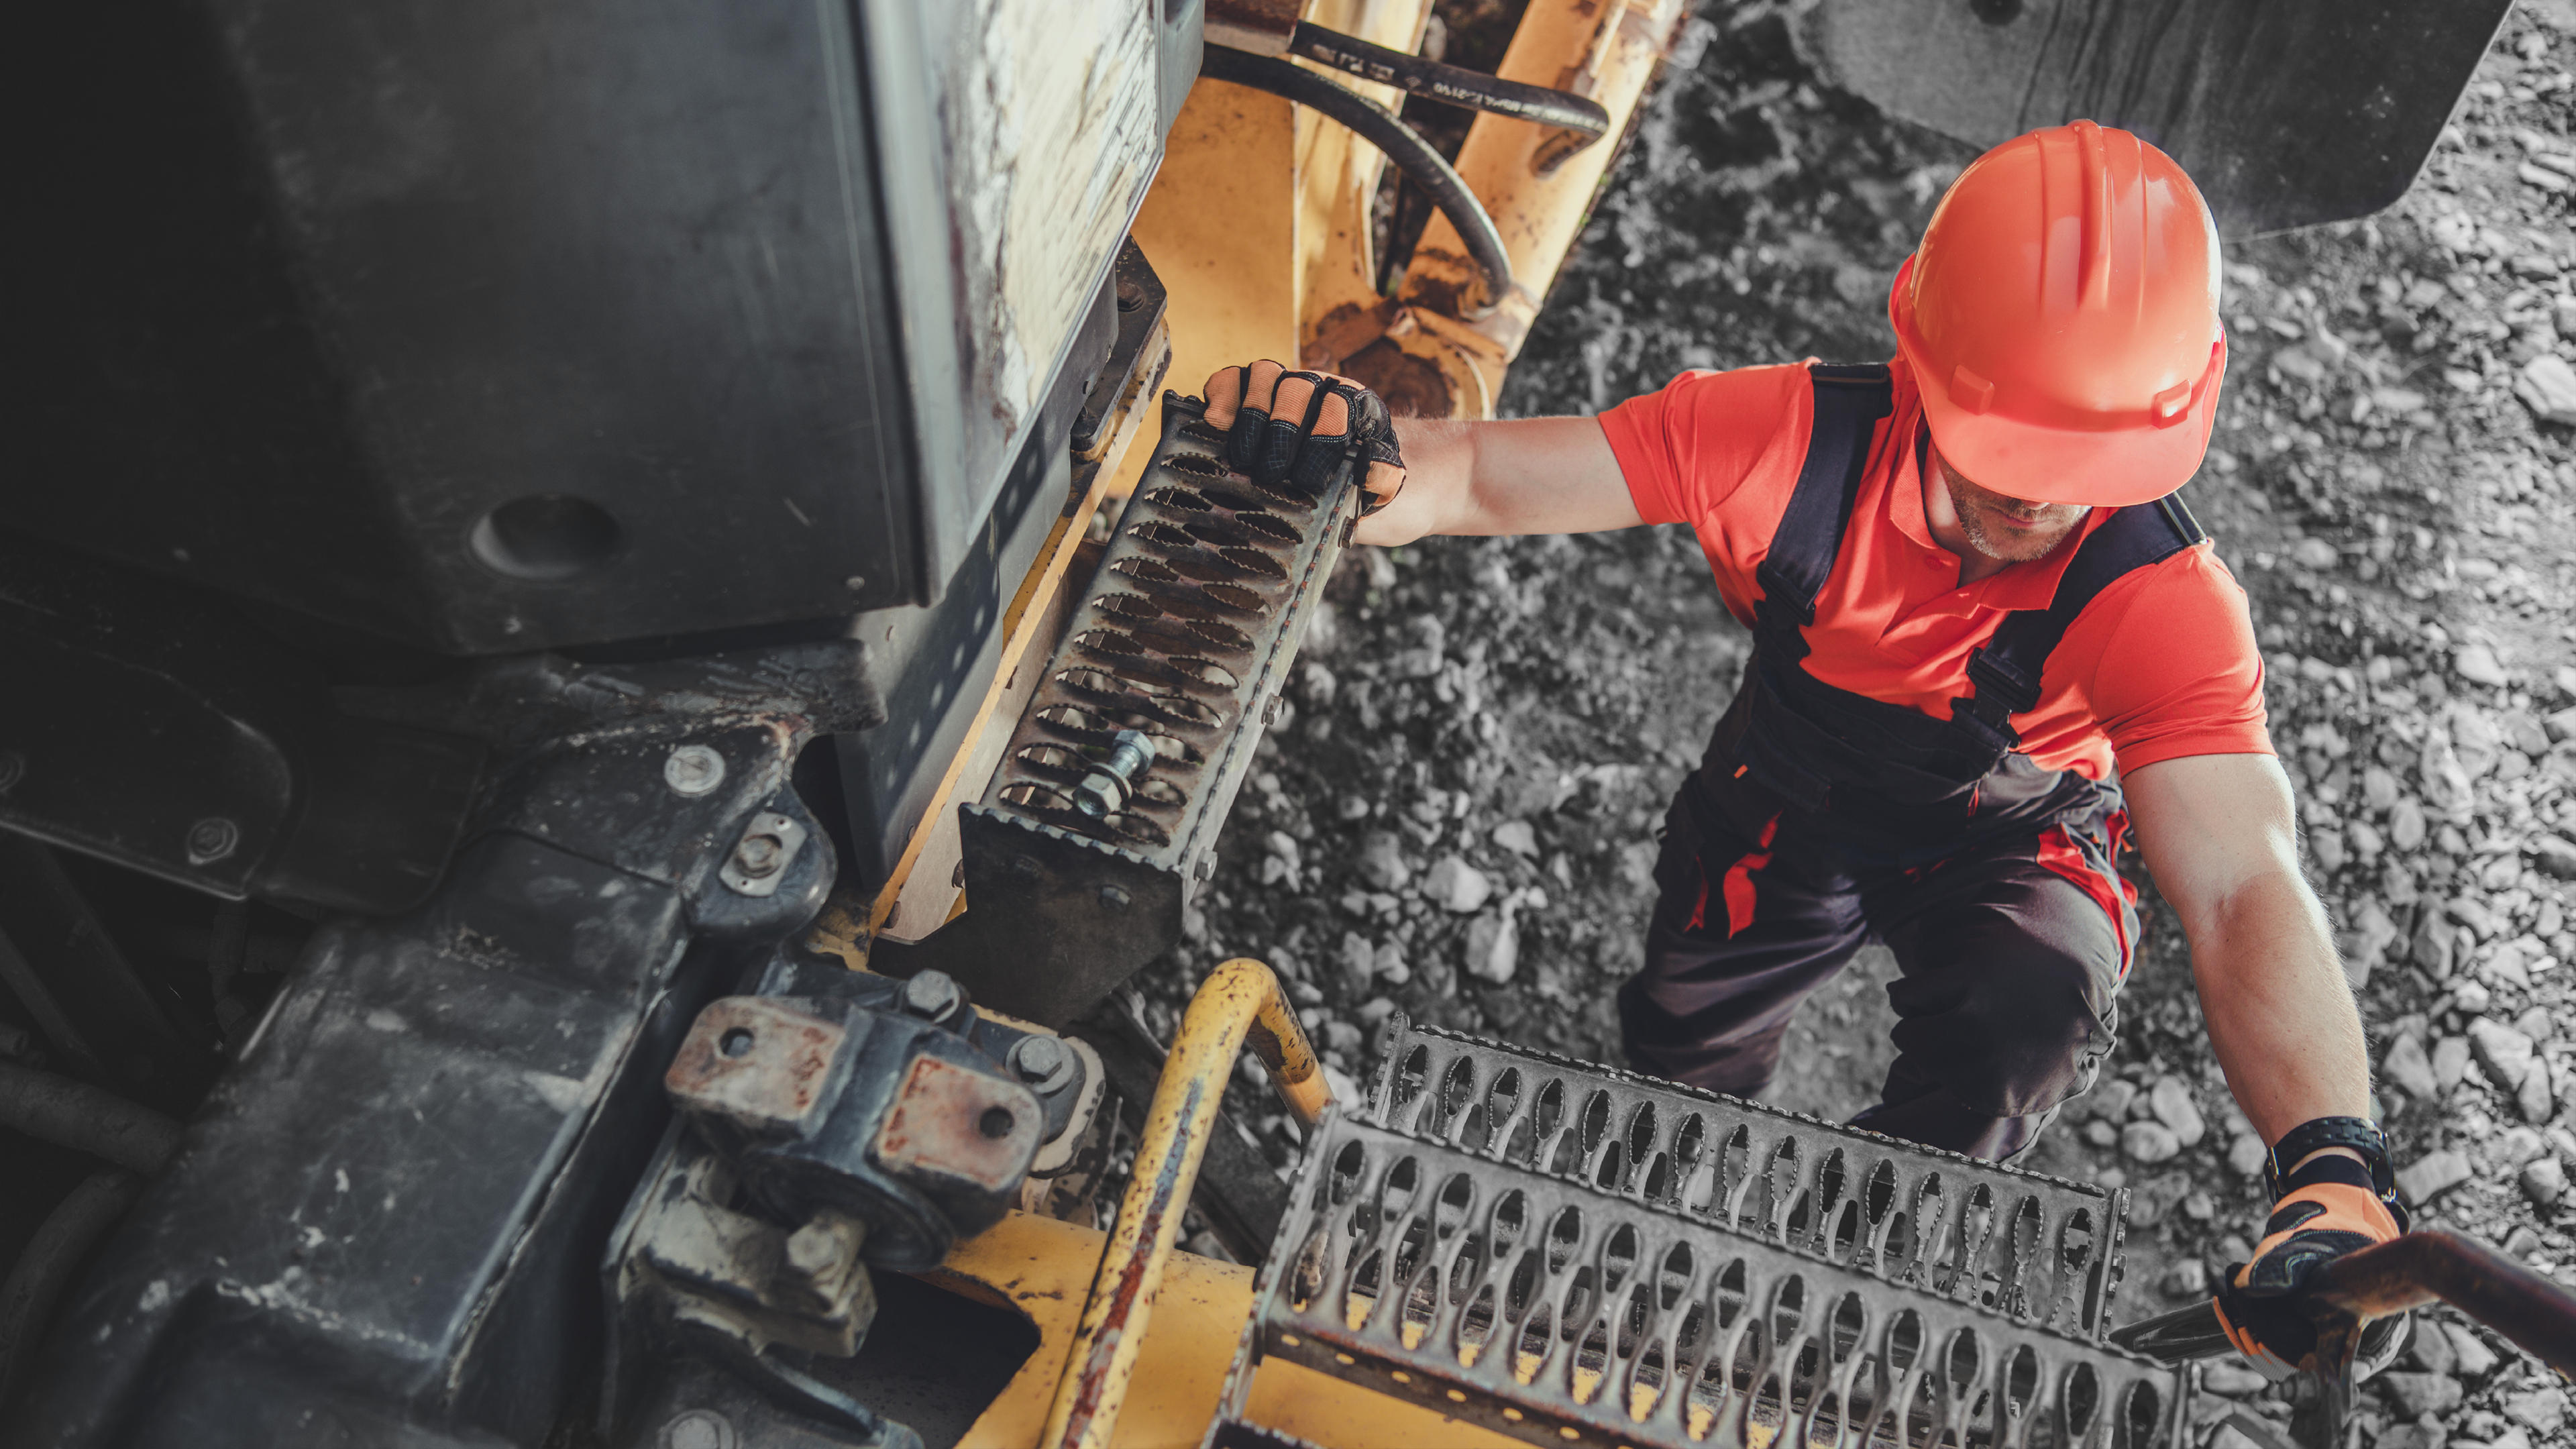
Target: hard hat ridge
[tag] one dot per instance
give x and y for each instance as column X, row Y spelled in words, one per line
column 2061, row 319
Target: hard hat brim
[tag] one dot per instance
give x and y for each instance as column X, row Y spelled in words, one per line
column 2120, row 460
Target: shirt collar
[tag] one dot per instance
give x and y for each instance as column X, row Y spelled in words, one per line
column 2015, row 586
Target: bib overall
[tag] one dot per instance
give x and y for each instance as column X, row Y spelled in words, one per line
column 1820, row 819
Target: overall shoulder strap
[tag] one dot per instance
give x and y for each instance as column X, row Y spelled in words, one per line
column 1849, row 403
column 2003, row 674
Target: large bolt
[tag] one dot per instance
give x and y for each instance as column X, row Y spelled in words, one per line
column 759, row 856
column 1044, row 1062
column 693, row 770
column 211, row 839
column 698, row 1429
column 1104, row 791
column 933, row 996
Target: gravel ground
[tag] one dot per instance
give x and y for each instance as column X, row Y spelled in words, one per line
column 1456, row 820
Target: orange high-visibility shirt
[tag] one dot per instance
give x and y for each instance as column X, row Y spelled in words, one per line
column 2160, row 665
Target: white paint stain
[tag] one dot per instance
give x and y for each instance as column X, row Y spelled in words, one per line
column 383, row 1020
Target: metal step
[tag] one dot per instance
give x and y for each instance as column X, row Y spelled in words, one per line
column 1571, row 1255
column 1169, row 672
column 2038, row 1249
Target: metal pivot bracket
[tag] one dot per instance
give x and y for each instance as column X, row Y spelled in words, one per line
column 1103, row 816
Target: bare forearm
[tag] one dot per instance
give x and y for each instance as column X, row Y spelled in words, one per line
column 1527, row 475
column 2280, row 1016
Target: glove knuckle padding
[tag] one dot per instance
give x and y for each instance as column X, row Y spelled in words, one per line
column 2260, row 1302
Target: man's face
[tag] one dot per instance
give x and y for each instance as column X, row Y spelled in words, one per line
column 2007, row 529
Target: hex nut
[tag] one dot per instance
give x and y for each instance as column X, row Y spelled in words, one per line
column 1100, row 794
column 211, row 839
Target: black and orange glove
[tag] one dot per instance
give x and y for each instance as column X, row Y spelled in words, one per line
column 2322, row 1209
column 1297, row 427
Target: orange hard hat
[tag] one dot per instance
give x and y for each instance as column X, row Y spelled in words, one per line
column 2061, row 319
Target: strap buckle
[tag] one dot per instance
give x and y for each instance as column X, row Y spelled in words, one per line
column 2008, row 688
column 2358, row 1134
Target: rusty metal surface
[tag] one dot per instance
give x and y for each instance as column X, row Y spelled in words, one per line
column 1195, row 615
column 951, row 1122
column 1561, row 1313
column 742, row 1275
column 1263, row 27
column 2496, row 1290
column 2039, row 1250
column 1119, row 1309
column 761, row 1065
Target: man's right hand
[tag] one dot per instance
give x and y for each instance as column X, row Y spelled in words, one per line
column 1297, row 427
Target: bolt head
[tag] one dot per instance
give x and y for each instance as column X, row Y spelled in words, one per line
column 1036, row 1058
column 212, row 839
column 698, row 1429
column 932, row 996
column 693, row 770
column 759, row 856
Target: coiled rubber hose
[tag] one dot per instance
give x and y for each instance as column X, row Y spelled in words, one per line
column 1403, row 145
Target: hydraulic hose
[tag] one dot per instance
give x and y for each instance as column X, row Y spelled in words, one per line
column 85, row 1119
column 1403, row 145
column 45, row 1269
column 1449, row 84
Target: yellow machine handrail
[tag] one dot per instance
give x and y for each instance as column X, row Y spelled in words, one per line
column 1240, row 999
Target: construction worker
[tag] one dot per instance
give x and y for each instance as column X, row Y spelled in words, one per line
column 1989, row 638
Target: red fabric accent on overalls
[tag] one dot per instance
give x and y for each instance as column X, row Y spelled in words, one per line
column 2117, row 833
column 1737, row 889
column 2059, row 852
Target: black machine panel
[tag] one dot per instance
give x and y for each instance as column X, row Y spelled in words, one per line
column 486, row 328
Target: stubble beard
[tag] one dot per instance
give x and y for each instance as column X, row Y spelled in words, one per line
column 2007, row 546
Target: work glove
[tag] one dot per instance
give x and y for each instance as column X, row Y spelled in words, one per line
column 2324, row 1209
column 1297, row 427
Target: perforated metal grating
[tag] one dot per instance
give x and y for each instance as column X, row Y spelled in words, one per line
column 1574, row 1255
column 1195, row 615
column 1560, row 1313
column 2037, row 1249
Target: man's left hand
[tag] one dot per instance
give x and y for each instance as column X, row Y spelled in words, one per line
column 2327, row 1208
column 1297, row 427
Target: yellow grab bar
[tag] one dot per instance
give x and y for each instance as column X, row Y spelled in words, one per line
column 1240, row 999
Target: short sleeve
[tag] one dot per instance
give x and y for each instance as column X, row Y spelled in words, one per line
column 2188, row 677
column 1687, row 448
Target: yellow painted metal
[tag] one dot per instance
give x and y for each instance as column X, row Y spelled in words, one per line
column 1041, row 1268
column 1240, row 999
column 1337, row 183
column 1220, row 229
column 1604, row 49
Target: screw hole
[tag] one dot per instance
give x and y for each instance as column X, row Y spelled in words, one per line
column 996, row 1122
column 736, row 1043
column 545, row 538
